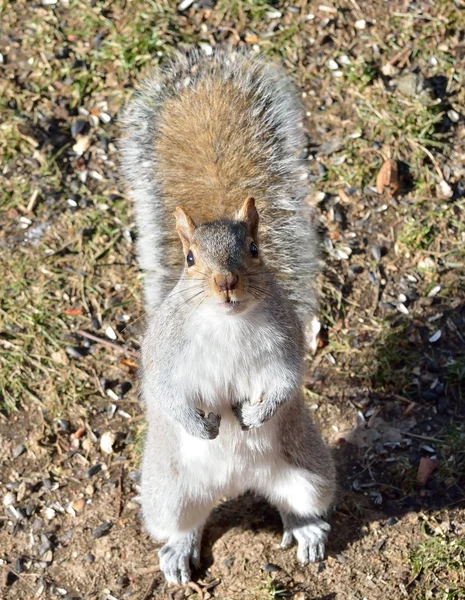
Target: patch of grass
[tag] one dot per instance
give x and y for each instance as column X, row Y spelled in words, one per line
column 438, row 567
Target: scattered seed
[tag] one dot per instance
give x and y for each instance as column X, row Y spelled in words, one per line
column 332, row 64
column 271, row 568
column 102, row 529
column 93, row 470
column 18, row 450
column 184, row 5
column 435, row 337
column 376, row 252
column 402, row 308
column 110, row 333
column 434, row 291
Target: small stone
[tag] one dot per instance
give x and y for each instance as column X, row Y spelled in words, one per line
column 392, row 521
column 102, row 529
column 228, row 562
column 49, row 513
column 402, row 298
column 453, row 116
column 106, row 442
column 78, row 504
column 410, row 84
column 90, row 558
column 18, row 450
column 48, row 556
column 360, row 24
column 445, row 190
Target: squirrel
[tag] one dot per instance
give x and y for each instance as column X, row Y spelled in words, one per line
column 217, row 140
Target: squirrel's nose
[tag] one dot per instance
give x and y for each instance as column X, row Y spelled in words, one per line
column 226, row 282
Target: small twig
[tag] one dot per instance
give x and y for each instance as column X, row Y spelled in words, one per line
column 148, row 570
column 150, row 588
column 94, row 338
column 425, row 438
column 194, row 586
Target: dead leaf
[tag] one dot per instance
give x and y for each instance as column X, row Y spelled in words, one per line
column 425, row 468
column 128, row 363
column 388, row 176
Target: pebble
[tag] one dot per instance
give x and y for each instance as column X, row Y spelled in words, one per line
column 453, row 116
column 402, row 298
column 102, row 529
column 445, row 190
column 64, row 425
column 228, row 562
column 78, row 504
column 360, row 24
column 49, row 513
column 106, row 442
column 47, row 557
column 90, row 558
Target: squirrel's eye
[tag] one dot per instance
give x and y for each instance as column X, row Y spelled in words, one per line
column 190, row 259
column 253, row 250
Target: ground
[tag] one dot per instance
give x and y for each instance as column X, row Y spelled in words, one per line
column 383, row 86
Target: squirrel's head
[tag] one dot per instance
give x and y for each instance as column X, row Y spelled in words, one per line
column 222, row 259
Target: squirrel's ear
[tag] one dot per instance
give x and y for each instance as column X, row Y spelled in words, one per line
column 184, row 226
column 248, row 213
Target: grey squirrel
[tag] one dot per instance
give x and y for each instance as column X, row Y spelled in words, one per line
column 222, row 356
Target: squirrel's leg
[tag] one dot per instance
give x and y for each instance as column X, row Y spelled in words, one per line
column 303, row 484
column 301, row 501
column 179, row 553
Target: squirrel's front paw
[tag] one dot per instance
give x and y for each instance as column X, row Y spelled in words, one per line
column 212, row 425
column 250, row 416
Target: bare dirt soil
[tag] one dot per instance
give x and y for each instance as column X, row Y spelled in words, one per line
column 383, row 86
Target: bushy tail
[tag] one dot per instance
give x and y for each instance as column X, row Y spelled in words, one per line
column 278, row 178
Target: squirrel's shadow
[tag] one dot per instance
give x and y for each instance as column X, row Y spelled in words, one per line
column 387, row 489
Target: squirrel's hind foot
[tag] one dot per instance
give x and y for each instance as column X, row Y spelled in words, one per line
column 176, row 558
column 311, row 536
